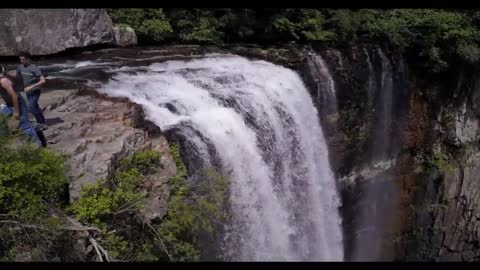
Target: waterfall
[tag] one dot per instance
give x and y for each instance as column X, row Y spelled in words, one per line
column 324, row 83
column 383, row 128
column 262, row 124
column 378, row 194
column 371, row 80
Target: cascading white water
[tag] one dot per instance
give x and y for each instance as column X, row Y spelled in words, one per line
column 266, row 133
column 325, row 85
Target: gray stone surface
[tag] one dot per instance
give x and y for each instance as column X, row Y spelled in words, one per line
column 47, row 31
column 94, row 133
column 124, row 36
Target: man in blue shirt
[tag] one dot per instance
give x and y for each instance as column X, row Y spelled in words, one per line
column 33, row 78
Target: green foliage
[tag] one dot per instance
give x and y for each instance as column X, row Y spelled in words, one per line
column 116, row 245
column 443, row 162
column 197, row 26
column 349, row 25
column 31, row 185
column 211, row 196
column 178, row 184
column 31, row 180
column 149, row 24
column 435, row 58
column 435, row 36
column 176, row 228
column 469, row 52
column 98, row 202
column 438, row 161
column 145, row 254
column 204, row 31
column 303, row 24
column 193, row 210
column 238, row 26
column 158, row 30
column 389, row 27
column 145, row 162
column 108, row 204
column 131, row 16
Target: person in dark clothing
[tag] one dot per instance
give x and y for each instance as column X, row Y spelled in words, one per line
column 15, row 105
column 33, row 79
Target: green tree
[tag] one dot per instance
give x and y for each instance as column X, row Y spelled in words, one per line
column 149, row 24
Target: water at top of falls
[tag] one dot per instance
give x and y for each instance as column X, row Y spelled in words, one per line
column 265, row 129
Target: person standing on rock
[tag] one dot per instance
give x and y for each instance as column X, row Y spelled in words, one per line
column 33, row 78
column 15, row 105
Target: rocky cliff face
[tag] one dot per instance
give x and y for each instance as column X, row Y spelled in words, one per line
column 422, row 201
column 450, row 223
column 446, row 225
column 48, row 31
column 95, row 132
column 363, row 138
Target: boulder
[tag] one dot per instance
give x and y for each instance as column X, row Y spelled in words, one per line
column 124, row 35
column 48, row 31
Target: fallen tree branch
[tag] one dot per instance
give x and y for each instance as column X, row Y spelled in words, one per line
column 128, row 206
column 72, row 225
column 99, row 248
column 93, row 242
column 77, row 227
column 103, row 250
column 29, row 226
column 124, row 210
column 80, row 229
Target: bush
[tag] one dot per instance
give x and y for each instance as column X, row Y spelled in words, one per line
column 191, row 211
column 99, row 202
column 109, row 205
column 146, row 162
column 197, row 26
column 438, row 161
column 157, row 30
column 149, row 24
column 194, row 211
column 303, row 24
column 32, row 182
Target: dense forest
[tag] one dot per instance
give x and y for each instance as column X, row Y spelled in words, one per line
column 438, row 37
